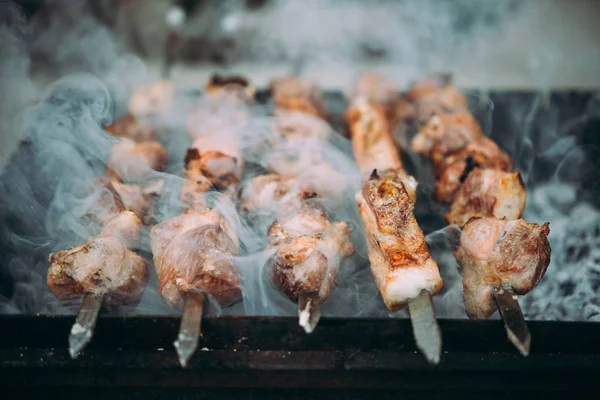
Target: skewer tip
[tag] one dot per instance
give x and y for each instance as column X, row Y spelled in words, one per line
column 514, row 321
column 309, row 312
column 426, row 330
column 78, row 339
column 185, row 346
column 83, row 328
column 190, row 329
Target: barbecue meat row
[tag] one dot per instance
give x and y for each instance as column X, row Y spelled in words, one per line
column 497, row 249
column 398, row 254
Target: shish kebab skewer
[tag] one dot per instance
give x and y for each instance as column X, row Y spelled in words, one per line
column 500, row 255
column 403, row 269
column 193, row 252
column 309, row 246
column 106, row 269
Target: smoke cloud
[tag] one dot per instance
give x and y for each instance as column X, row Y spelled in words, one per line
column 68, row 76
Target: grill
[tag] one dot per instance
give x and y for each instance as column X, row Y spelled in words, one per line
column 272, row 357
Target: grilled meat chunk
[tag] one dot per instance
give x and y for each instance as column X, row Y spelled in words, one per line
column 309, row 245
column 295, row 94
column 432, row 95
column 373, row 145
column 488, row 192
column 452, row 171
column 130, row 161
column 272, row 192
column 309, row 250
column 400, row 260
column 194, row 253
column 496, row 252
column 295, row 125
column 153, row 99
column 446, row 134
column 230, row 84
column 103, row 266
column 218, row 112
column 130, row 127
column 212, row 169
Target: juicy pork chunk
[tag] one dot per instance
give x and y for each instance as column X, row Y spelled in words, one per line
column 211, row 169
column 296, row 94
column 309, row 246
column 452, row 171
column 130, row 161
column 400, row 260
column 372, row 142
column 435, row 95
column 497, row 252
column 488, row 192
column 194, row 253
column 216, row 113
column 109, row 197
column 381, row 90
column 272, row 192
column 309, row 250
column 429, row 84
column 230, row 84
column 294, row 125
column 153, row 99
column 132, row 128
column 446, row 134
column 103, row 266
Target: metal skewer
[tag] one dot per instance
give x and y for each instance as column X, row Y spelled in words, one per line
column 309, row 311
column 514, row 322
column 426, row 330
column 190, row 329
column 83, row 329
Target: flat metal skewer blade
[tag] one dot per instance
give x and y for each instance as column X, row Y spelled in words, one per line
column 190, row 329
column 514, row 322
column 309, row 311
column 83, row 329
column 428, row 336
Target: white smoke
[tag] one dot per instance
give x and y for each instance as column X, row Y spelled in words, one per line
column 45, row 183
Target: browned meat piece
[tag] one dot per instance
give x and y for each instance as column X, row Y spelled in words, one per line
column 232, row 84
column 495, row 252
column 381, row 90
column 488, row 192
column 296, row 94
column 132, row 128
column 309, row 250
column 376, row 88
column 109, row 197
column 130, row 161
column 309, row 246
column 215, row 114
column 453, row 170
column 400, row 259
column 372, row 142
column 194, row 253
column 153, row 99
column 446, row 100
column 272, row 192
column 212, row 169
column 104, row 266
column 446, row 134
column 427, row 85
column 297, row 125
column 435, row 94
